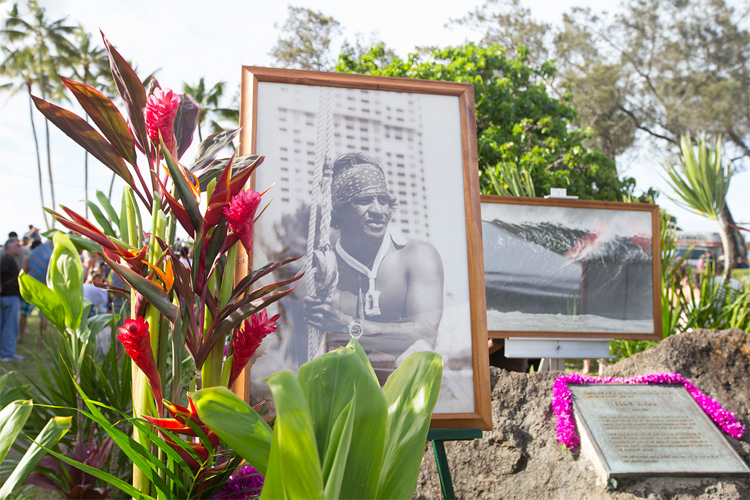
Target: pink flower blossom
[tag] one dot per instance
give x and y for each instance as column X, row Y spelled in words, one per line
column 562, row 403
column 240, row 214
column 161, row 111
column 247, row 340
column 136, row 339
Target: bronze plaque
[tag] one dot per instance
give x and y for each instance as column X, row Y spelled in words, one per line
column 649, row 430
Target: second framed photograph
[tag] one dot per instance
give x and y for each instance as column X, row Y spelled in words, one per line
column 571, row 268
column 374, row 182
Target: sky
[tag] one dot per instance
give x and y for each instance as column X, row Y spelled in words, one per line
column 187, row 39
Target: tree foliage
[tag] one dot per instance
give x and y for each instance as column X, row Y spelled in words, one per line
column 676, row 67
column 306, row 40
column 518, row 122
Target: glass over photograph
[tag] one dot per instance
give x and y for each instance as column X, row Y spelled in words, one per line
column 568, row 269
column 368, row 186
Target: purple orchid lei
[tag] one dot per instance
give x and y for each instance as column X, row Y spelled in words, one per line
column 244, row 483
column 562, row 403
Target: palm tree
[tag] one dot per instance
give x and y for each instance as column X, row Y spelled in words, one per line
column 208, row 101
column 19, row 65
column 700, row 184
column 48, row 42
column 91, row 66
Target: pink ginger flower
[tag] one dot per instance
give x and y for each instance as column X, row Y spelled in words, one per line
column 161, row 111
column 136, row 338
column 247, row 340
column 240, row 214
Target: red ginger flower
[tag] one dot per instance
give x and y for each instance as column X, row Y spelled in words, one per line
column 136, row 339
column 240, row 214
column 161, row 111
column 247, row 340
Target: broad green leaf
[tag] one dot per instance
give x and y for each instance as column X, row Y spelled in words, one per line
column 65, row 275
column 411, row 393
column 105, row 203
column 55, row 429
column 354, row 344
column 12, row 419
column 107, row 117
column 48, row 302
column 339, row 444
column 330, row 382
column 95, row 324
column 236, row 423
column 293, row 466
column 86, row 136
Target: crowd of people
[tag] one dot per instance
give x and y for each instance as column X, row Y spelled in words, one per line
column 31, row 253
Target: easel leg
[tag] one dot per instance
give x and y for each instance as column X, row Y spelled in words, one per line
column 446, row 483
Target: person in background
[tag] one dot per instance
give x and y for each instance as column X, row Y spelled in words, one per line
column 33, row 234
column 741, row 263
column 10, row 301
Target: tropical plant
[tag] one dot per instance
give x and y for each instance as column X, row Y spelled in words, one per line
column 700, row 184
column 199, row 308
column 20, row 65
column 12, row 420
column 61, row 301
column 336, row 433
column 48, row 43
column 207, row 99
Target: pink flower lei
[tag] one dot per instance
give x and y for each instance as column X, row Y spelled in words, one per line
column 562, row 403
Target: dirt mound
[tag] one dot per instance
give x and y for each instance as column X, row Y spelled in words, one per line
column 520, row 458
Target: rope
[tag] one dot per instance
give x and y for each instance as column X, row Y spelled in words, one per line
column 322, row 146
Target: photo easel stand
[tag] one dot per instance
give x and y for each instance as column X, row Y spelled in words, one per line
column 438, row 438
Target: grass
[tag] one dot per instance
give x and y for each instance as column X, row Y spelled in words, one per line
column 31, row 348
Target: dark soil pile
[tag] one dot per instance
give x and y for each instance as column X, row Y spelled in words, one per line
column 520, row 458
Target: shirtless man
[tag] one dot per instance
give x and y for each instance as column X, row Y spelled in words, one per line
column 390, row 288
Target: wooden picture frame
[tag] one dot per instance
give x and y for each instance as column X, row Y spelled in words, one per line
column 421, row 137
column 568, row 268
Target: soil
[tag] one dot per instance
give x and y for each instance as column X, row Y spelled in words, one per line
column 520, row 458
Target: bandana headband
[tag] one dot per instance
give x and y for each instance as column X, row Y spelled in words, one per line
column 360, row 179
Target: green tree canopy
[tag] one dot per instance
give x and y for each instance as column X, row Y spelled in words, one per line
column 518, row 122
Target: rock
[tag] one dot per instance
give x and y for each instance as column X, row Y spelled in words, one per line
column 520, row 458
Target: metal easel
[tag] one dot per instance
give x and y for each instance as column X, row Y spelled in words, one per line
column 438, row 438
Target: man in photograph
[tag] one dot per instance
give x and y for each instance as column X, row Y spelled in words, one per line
column 389, row 293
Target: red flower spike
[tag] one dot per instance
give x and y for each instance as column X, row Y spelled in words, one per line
column 246, row 341
column 161, row 111
column 227, row 187
column 136, row 339
column 241, row 216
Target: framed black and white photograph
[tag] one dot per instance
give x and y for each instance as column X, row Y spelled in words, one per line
column 373, row 181
column 571, row 268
